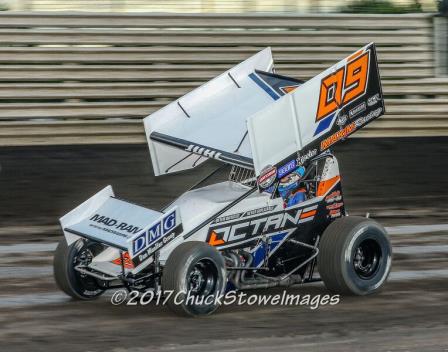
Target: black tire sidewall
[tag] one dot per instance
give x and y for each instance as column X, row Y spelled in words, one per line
column 362, row 232
column 66, row 276
column 186, row 262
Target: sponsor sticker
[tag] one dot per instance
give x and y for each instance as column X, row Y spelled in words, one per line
column 341, row 120
column 267, row 176
column 336, row 213
column 154, row 247
column 286, row 169
column 259, row 211
column 209, row 153
column 334, row 196
column 357, row 110
column 335, row 206
column 243, row 215
column 154, row 234
column 114, row 226
column 302, row 159
column 371, row 115
column 326, row 143
column 227, row 218
column 373, row 99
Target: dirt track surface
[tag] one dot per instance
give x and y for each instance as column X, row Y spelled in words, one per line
column 400, row 182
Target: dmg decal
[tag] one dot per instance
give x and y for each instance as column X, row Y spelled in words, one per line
column 154, row 233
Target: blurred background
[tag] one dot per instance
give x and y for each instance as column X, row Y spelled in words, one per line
column 77, row 72
column 78, row 76
column 226, row 6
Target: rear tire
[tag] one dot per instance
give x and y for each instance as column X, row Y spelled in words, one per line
column 355, row 256
column 198, row 269
column 70, row 281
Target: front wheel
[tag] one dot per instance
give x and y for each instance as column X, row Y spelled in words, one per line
column 355, row 256
column 70, row 281
column 194, row 276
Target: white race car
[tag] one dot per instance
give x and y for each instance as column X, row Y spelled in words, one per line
column 278, row 215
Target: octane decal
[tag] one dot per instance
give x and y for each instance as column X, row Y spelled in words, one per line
column 244, row 231
column 343, row 86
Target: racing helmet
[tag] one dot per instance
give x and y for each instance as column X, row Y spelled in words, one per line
column 290, row 182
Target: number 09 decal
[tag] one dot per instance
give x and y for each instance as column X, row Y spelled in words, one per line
column 344, row 85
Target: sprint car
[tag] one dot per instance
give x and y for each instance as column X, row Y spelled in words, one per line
column 278, row 219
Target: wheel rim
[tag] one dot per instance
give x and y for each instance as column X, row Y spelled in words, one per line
column 367, row 258
column 203, row 278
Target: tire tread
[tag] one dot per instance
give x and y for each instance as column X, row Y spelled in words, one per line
column 331, row 248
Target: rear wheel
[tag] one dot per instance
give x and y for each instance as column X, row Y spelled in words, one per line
column 70, row 281
column 355, row 256
column 194, row 276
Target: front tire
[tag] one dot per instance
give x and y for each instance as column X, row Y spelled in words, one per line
column 194, row 275
column 70, row 281
column 355, row 256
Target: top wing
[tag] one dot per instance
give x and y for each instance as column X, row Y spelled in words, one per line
column 252, row 117
column 319, row 113
column 210, row 121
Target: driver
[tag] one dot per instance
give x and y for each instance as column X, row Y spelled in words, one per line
column 289, row 188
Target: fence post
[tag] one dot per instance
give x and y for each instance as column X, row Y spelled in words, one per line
column 441, row 40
